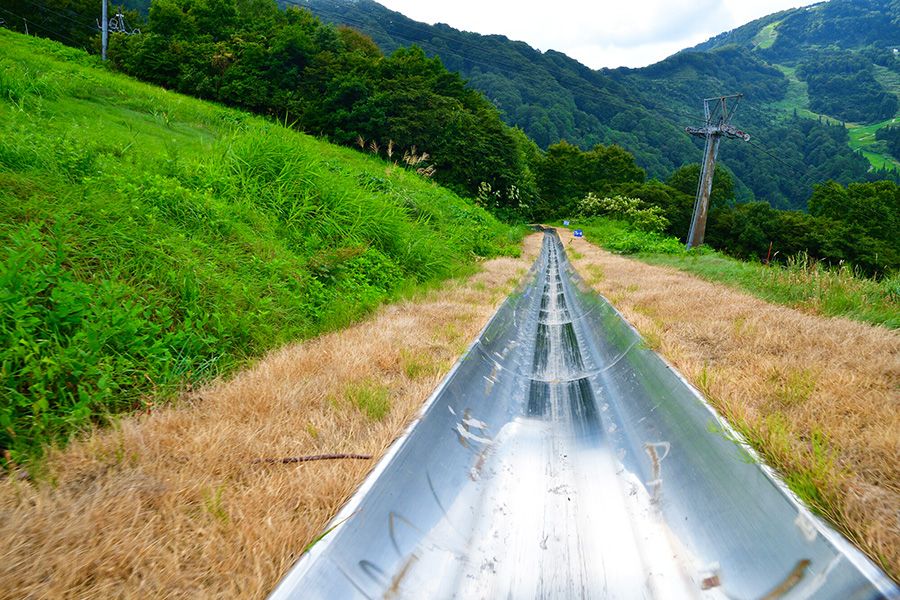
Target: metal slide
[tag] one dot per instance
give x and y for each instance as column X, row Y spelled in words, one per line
column 563, row 459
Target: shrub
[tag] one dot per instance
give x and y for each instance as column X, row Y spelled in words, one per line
column 645, row 217
column 624, row 238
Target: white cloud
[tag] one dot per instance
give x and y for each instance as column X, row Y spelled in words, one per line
column 605, row 33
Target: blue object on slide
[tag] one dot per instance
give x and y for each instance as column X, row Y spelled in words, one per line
column 578, row 233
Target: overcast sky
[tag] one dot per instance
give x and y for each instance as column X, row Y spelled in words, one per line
column 599, row 33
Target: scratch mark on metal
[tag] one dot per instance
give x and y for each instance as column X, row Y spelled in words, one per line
column 806, row 527
column 656, row 460
column 465, row 434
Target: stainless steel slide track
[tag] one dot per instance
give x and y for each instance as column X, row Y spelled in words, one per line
column 561, row 458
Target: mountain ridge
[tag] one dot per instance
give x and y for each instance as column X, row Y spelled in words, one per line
column 553, row 97
column 817, row 111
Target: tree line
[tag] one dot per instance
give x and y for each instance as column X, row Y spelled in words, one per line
column 551, row 96
column 856, row 224
column 328, row 81
column 335, row 82
column 891, row 138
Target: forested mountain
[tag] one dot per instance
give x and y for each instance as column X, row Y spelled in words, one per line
column 331, row 82
column 804, row 74
column 820, row 85
column 624, row 127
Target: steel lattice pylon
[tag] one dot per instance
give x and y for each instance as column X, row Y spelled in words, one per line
column 718, row 115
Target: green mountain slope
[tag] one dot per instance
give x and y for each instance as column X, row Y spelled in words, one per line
column 151, row 241
column 551, row 96
column 845, row 55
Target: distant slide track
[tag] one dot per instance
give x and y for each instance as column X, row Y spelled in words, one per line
column 561, row 458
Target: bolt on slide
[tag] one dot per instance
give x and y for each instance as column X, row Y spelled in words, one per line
column 562, row 458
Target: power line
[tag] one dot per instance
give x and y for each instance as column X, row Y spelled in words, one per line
column 777, row 158
column 39, row 26
column 59, row 14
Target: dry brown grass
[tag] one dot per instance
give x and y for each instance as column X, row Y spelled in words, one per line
column 169, row 504
column 818, row 397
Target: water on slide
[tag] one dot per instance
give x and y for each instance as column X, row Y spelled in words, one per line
column 561, row 458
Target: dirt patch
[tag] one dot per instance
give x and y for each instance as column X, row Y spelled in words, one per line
column 818, row 397
column 171, row 504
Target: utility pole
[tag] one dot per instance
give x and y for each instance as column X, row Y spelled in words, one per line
column 718, row 116
column 116, row 25
column 105, row 28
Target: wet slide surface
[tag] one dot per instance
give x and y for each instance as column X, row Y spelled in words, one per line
column 561, row 458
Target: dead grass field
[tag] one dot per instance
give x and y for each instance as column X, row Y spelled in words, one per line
column 170, row 504
column 818, row 397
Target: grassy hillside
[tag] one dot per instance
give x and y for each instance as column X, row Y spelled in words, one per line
column 864, row 29
column 803, row 283
column 862, row 139
column 151, row 241
column 833, row 59
column 766, row 36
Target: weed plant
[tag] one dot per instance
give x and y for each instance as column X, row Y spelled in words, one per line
column 151, row 242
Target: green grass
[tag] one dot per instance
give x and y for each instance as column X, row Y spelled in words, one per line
column 418, row 365
column 371, row 399
column 810, row 469
column 862, row 139
column 766, row 36
column 797, row 97
column 801, row 283
column 152, row 241
column 623, row 238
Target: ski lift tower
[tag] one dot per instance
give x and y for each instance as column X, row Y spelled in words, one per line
column 113, row 25
column 718, row 114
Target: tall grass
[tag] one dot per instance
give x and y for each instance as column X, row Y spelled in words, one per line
column 801, row 282
column 623, row 238
column 151, row 241
column 812, row 395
